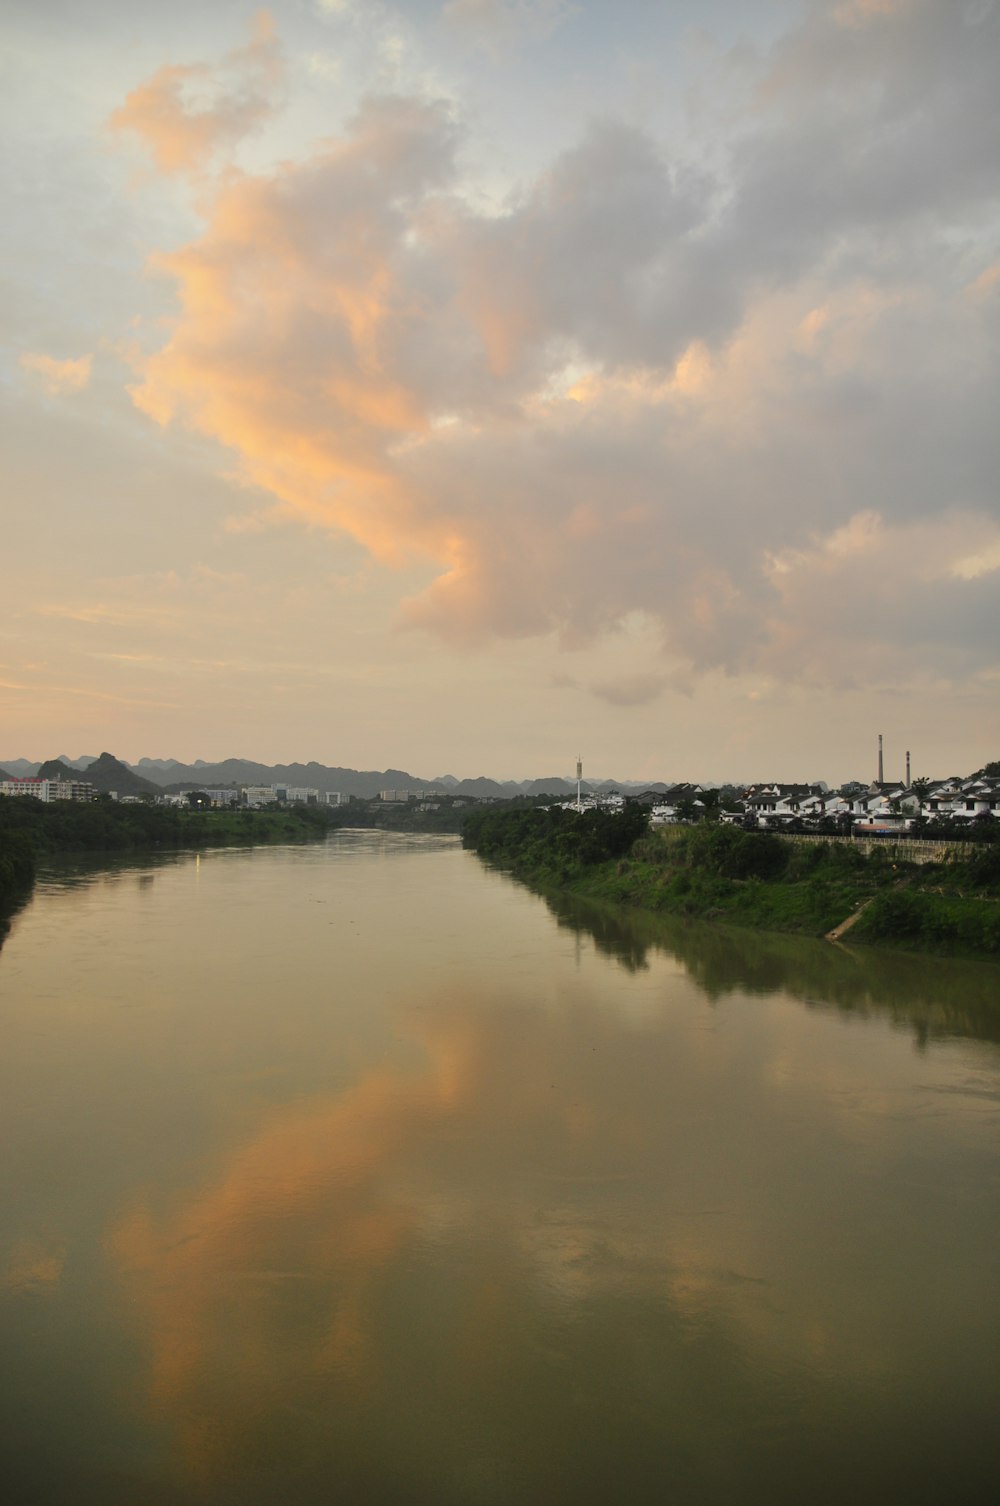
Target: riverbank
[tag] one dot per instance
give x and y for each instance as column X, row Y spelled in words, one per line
column 757, row 880
column 31, row 831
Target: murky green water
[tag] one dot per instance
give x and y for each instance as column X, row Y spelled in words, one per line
column 357, row 1173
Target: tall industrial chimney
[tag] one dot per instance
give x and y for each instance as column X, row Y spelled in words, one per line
column 907, row 768
column 880, row 769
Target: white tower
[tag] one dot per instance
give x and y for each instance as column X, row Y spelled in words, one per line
column 579, row 777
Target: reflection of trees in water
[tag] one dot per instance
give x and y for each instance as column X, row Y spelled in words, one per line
column 9, row 911
column 933, row 995
column 612, row 931
column 83, row 870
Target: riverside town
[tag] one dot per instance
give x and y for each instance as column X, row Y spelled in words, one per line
column 881, row 808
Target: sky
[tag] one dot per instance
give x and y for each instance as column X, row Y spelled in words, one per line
column 465, row 385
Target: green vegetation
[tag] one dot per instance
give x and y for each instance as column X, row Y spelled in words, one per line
column 551, row 842
column 751, row 879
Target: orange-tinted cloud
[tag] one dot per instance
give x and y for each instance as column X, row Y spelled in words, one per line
column 186, row 113
column 625, row 391
column 70, row 375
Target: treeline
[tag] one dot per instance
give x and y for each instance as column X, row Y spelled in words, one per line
column 31, row 830
column 381, row 815
column 751, row 878
column 551, row 840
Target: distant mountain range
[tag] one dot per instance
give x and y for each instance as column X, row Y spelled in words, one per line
column 105, row 773
column 168, row 775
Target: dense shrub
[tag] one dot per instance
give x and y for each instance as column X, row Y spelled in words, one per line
column 553, row 839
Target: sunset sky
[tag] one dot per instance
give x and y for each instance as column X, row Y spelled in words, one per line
column 461, row 385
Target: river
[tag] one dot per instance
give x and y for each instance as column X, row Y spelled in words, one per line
column 357, row 1172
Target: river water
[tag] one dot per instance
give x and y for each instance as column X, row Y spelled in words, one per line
column 359, row 1173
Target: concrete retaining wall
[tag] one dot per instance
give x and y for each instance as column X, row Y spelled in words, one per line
column 897, row 850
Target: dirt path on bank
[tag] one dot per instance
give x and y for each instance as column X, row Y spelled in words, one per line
column 852, row 920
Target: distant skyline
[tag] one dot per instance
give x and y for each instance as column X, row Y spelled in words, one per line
column 462, row 384
column 590, row 776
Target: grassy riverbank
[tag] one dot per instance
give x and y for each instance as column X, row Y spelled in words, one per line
column 752, row 879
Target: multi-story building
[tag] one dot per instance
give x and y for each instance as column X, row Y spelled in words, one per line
column 49, row 789
column 258, row 794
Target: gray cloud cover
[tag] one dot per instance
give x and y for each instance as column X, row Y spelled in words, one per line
column 755, row 406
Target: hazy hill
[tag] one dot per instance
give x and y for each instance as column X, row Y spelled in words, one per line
column 482, row 788
column 28, row 768
column 170, row 774
column 365, row 783
column 154, row 775
column 55, row 768
column 554, row 784
column 107, row 773
column 241, row 771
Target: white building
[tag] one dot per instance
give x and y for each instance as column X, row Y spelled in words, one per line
column 49, row 789
column 256, row 795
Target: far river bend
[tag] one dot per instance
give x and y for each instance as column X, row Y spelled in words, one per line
column 359, row 1173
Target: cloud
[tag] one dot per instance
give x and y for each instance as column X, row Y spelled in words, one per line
column 862, row 12
column 634, row 387
column 186, row 113
column 58, row 377
column 497, row 27
column 924, row 584
column 630, row 690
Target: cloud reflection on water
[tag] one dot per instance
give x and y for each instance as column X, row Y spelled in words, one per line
column 560, row 1227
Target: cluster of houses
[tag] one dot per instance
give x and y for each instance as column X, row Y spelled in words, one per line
column 880, row 809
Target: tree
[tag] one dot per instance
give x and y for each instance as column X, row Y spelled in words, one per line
column 711, row 800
